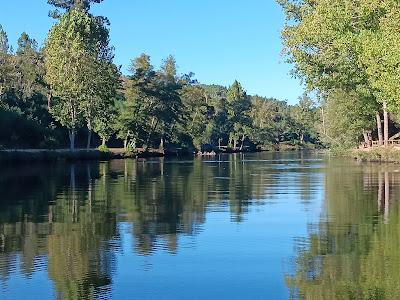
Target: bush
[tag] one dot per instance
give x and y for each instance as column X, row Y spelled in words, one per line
column 104, row 149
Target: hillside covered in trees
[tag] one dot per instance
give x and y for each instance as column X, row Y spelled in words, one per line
column 69, row 93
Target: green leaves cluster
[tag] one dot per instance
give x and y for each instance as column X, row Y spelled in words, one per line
column 80, row 72
column 347, row 48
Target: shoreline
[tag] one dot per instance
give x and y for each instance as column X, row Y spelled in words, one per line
column 47, row 155
column 380, row 154
column 43, row 155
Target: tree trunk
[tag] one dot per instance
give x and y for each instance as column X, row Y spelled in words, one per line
column 366, row 139
column 89, row 136
column 323, row 120
column 49, row 101
column 385, row 125
column 89, row 139
column 154, row 126
column 301, row 138
column 71, row 139
column 241, row 146
column 379, row 127
column 103, row 141
column 162, row 143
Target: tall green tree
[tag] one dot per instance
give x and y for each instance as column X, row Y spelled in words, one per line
column 79, row 70
column 136, row 114
column 198, row 114
column 153, row 104
column 379, row 54
column 30, row 67
column 101, row 93
column 4, row 46
column 239, row 105
column 304, row 115
column 5, row 63
column 170, row 107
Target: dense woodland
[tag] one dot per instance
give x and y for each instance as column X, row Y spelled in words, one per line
column 70, row 93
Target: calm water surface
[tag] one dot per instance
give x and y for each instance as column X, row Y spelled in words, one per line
column 253, row 226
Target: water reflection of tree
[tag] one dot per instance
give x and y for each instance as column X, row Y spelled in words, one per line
column 70, row 213
column 168, row 199
column 51, row 215
column 353, row 252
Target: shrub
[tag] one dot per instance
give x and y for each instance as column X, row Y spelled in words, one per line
column 104, row 149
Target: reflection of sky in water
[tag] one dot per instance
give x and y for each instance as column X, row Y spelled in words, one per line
column 224, row 254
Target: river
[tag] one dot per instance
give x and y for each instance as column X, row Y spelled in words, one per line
column 242, row 226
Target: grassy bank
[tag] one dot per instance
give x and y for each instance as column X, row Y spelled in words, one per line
column 378, row 154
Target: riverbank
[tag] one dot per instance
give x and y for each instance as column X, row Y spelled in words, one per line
column 389, row 154
column 26, row 155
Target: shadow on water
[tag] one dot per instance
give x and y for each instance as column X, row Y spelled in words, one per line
column 65, row 219
column 353, row 251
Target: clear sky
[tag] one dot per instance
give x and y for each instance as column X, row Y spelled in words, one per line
column 218, row 40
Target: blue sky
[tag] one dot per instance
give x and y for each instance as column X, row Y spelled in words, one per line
column 218, row 40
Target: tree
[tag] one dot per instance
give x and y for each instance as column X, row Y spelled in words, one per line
column 134, row 120
column 153, row 104
column 29, row 68
column 4, row 46
column 238, row 111
column 198, row 115
column 304, row 118
column 379, row 55
column 101, row 91
column 170, row 107
column 344, row 125
column 105, row 124
column 5, row 63
column 79, row 70
column 69, row 5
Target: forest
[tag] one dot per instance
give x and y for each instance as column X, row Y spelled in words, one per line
column 69, row 93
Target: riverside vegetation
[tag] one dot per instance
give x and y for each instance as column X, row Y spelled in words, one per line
column 347, row 53
column 70, row 93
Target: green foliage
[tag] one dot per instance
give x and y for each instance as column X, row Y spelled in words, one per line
column 104, row 149
column 4, row 47
column 198, row 115
column 79, row 71
column 239, row 106
column 72, row 84
column 69, row 5
column 345, row 117
column 25, row 120
column 153, row 104
column 305, row 118
column 347, row 47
